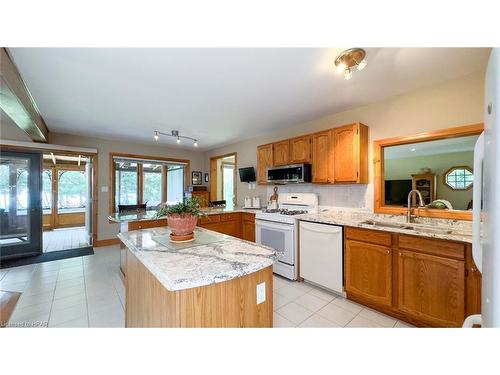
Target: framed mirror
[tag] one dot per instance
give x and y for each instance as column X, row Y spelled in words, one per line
column 438, row 164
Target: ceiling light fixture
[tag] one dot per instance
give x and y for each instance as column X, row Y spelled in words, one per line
column 176, row 134
column 349, row 59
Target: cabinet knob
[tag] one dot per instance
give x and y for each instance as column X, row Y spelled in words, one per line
column 388, row 252
column 400, row 253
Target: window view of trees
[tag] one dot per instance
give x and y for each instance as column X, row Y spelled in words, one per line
column 47, row 191
column 71, row 191
column 132, row 187
column 151, row 194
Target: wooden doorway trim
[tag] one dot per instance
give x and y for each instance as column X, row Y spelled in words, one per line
column 378, row 169
column 214, row 172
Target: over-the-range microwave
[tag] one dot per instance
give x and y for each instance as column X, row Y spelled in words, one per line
column 287, row 174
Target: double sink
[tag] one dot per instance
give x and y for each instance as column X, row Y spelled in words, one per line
column 408, row 226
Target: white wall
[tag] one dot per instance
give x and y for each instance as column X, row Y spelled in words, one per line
column 453, row 103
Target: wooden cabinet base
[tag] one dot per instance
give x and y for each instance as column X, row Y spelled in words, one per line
column 230, row 304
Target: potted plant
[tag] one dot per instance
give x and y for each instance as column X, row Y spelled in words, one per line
column 182, row 218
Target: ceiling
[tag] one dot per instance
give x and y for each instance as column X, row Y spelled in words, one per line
column 218, row 96
column 441, row 146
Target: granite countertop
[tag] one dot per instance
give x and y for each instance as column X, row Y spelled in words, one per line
column 151, row 214
column 460, row 230
column 199, row 265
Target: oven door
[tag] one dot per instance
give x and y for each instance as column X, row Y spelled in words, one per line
column 279, row 236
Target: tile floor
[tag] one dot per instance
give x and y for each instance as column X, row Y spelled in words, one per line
column 88, row 292
column 63, row 239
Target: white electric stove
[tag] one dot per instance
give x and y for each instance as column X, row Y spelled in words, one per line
column 279, row 229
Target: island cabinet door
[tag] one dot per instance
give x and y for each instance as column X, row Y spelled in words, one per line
column 431, row 288
column 368, row 272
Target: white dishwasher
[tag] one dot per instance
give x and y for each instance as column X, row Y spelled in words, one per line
column 321, row 254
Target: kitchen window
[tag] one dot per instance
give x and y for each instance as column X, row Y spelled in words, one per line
column 147, row 180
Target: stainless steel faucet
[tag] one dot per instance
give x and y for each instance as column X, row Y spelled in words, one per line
column 409, row 216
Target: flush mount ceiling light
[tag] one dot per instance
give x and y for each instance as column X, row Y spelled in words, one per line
column 350, row 59
column 175, row 133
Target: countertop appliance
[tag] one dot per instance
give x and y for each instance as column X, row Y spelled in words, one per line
column 278, row 228
column 321, row 255
column 486, row 202
column 295, row 173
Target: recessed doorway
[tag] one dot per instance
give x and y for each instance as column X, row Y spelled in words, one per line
column 223, row 178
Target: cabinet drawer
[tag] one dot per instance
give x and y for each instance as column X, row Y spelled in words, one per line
column 246, row 216
column 368, row 235
column 135, row 225
column 449, row 249
column 230, row 216
column 209, row 219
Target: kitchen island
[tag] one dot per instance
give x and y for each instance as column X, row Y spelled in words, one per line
column 211, row 282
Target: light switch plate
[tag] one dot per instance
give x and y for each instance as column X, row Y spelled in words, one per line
column 261, row 293
column 104, row 189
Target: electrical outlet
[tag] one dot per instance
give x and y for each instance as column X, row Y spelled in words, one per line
column 261, row 293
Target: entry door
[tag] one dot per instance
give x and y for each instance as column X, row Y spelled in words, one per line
column 20, row 204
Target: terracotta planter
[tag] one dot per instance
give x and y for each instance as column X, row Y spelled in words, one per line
column 182, row 225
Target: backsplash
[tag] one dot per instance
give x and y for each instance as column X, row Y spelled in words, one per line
column 350, row 196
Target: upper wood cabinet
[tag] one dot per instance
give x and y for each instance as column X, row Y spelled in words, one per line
column 264, row 161
column 322, row 157
column 281, row 152
column 300, row 149
column 368, row 271
column 350, row 148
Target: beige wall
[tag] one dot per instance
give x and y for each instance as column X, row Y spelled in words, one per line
column 449, row 104
column 403, row 168
column 104, row 147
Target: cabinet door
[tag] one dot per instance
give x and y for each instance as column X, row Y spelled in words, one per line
column 281, row 151
column 431, row 288
column 300, row 149
column 248, row 231
column 368, row 272
column 322, row 157
column 264, row 161
column 346, row 153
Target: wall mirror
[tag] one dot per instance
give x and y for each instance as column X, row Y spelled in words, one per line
column 438, row 164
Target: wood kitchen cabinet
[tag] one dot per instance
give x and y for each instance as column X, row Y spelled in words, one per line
column 368, row 271
column 248, row 226
column 264, row 160
column 322, row 157
column 431, row 288
column 350, row 153
column 424, row 281
column 281, row 152
column 300, row 149
column 338, row 155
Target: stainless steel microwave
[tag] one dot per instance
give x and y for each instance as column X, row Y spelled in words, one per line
column 288, row 174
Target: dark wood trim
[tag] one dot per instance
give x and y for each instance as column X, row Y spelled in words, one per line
column 8, row 301
column 106, row 242
column 17, row 101
column 378, row 171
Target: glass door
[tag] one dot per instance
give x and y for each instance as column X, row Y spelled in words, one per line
column 20, row 204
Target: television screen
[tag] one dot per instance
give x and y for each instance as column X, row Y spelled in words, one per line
column 247, row 174
column 396, row 191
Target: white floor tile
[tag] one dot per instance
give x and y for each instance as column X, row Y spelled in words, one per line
column 320, row 293
column 311, row 302
column 347, row 305
column 35, row 299
column 379, row 318
column 73, row 300
column 294, row 312
column 82, row 322
column 281, row 322
column 360, row 322
column 317, row 321
column 400, row 324
column 291, row 292
column 336, row 314
column 59, row 316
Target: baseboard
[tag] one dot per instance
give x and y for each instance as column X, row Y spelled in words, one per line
column 107, row 242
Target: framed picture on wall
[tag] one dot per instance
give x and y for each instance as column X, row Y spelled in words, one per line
column 207, row 178
column 196, row 178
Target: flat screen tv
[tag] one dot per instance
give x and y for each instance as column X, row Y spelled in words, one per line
column 396, row 191
column 247, row 174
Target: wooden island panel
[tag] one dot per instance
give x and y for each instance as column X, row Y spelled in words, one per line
column 229, row 304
